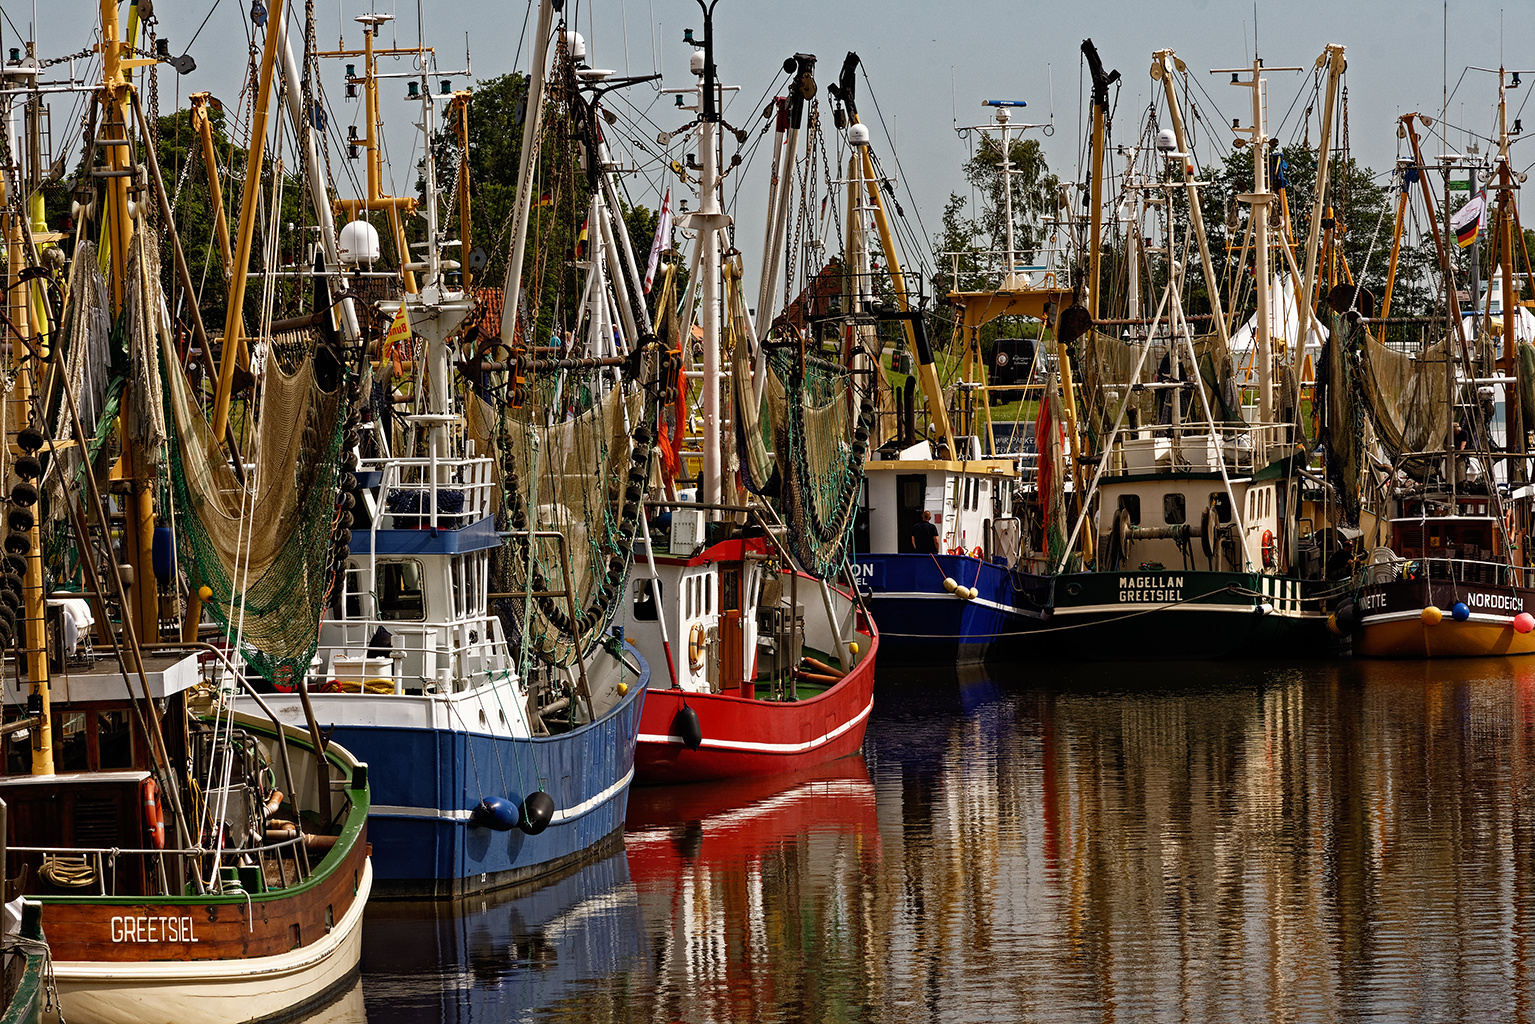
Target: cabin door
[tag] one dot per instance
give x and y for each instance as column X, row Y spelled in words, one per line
column 732, row 631
column 910, row 498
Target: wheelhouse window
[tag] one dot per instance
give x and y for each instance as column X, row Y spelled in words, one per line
column 400, row 596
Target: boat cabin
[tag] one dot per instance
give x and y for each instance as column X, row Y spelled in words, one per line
column 971, row 502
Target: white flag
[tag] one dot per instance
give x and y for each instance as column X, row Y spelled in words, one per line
column 663, row 233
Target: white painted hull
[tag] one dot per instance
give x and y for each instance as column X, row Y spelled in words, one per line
column 225, row 991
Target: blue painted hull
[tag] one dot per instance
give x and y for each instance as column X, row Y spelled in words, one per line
column 426, row 782
column 922, row 623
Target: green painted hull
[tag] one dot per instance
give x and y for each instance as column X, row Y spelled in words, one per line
column 1180, row 616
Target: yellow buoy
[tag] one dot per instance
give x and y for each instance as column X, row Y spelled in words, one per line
column 1332, row 625
column 949, row 584
column 1431, row 616
column 205, row 594
column 852, row 647
column 623, row 688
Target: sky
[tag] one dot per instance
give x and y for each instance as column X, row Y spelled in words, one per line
column 927, row 65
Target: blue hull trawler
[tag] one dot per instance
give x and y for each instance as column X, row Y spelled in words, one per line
column 467, row 651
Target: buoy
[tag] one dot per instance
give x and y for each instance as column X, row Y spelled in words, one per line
column 205, row 594
column 949, row 584
column 1459, row 612
column 971, row 593
column 1347, row 616
column 623, row 688
column 852, row 647
column 1260, row 610
column 1524, row 622
column 163, row 554
column 496, row 813
column 686, row 727
column 537, row 812
column 1431, row 616
column 1332, row 625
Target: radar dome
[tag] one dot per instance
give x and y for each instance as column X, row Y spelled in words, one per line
column 858, row 135
column 357, row 243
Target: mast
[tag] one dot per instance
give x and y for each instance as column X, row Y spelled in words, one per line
column 1332, row 57
column 791, row 118
column 916, row 337
column 1100, row 104
column 255, row 155
column 1507, row 363
column 1163, row 63
column 708, row 220
column 532, row 123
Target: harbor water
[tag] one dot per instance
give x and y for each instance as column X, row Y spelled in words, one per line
column 1319, row 841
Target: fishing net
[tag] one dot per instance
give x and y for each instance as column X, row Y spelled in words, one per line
column 583, row 477
column 262, row 547
column 1408, row 395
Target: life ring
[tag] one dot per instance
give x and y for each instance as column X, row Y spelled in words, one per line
column 154, row 813
column 696, row 646
column 1268, row 549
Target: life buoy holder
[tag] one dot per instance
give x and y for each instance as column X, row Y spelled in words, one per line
column 154, row 813
column 1268, row 549
column 696, row 646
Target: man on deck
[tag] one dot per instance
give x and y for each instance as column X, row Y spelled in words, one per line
column 924, row 535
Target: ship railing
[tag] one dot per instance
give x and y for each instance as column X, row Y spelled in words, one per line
column 434, row 493
column 1449, row 570
column 97, row 867
column 1194, row 448
column 424, row 657
column 990, row 270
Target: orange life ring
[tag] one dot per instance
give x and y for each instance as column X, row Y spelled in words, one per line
column 154, row 813
column 1268, row 548
column 696, row 646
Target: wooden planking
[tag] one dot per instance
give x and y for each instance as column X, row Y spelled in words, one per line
column 111, row 931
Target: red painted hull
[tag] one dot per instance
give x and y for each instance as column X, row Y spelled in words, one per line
column 743, row 737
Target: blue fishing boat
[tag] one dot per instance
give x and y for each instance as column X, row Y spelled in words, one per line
column 483, row 541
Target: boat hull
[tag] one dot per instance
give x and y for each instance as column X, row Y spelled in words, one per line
column 428, row 780
column 922, row 623
column 1180, row 616
column 745, row 737
column 1391, row 620
column 274, row 987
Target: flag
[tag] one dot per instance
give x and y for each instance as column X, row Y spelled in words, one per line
column 1467, row 222
column 547, row 199
column 663, row 234
column 581, row 240
column 399, row 330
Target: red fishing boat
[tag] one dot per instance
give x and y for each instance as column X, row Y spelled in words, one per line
column 751, row 688
column 747, row 599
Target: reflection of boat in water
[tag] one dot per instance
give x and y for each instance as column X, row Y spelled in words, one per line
column 491, row 958
column 729, row 824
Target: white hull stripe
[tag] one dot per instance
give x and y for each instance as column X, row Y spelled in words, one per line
column 1225, row 609
column 1375, row 618
column 563, row 814
column 765, row 748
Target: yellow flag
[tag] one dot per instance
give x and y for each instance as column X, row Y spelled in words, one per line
column 399, row 330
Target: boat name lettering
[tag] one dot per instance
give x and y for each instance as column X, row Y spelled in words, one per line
column 1135, row 589
column 1370, row 602
column 1502, row 602
column 153, row 929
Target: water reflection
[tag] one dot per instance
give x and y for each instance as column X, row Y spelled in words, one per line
column 1307, row 841
column 499, row 959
